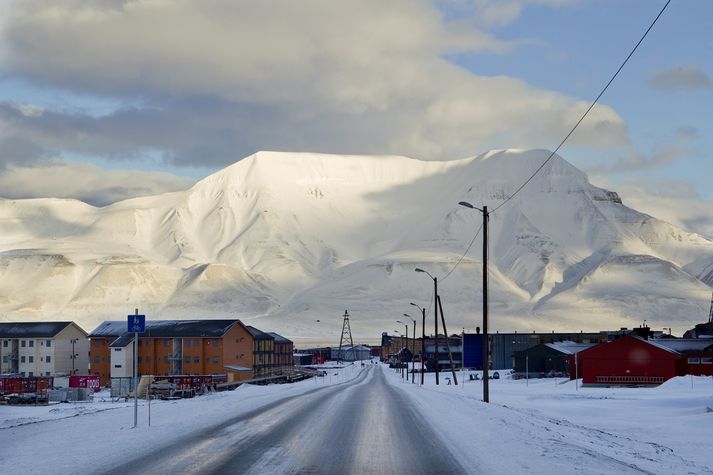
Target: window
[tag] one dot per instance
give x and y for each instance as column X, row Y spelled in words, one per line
column 196, row 342
column 166, row 343
column 4, row 343
column 216, row 342
column 694, row 361
column 187, row 342
column 48, row 359
column 117, row 366
column 23, row 374
column 32, row 343
column 22, row 359
column 48, row 343
column 187, row 359
column 5, row 359
column 215, row 359
column 707, row 360
column 23, row 343
column 96, row 359
column 31, row 359
column 31, row 374
column 47, row 373
column 117, row 349
column 196, row 359
column 165, row 359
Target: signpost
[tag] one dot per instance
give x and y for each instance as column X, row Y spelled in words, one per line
column 136, row 324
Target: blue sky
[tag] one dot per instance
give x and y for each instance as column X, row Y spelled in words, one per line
column 168, row 92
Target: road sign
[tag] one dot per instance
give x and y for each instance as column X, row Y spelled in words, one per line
column 137, row 323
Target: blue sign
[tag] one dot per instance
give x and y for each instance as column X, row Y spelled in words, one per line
column 137, row 323
column 473, row 350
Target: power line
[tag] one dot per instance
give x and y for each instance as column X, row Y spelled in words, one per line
column 464, row 254
column 591, row 106
column 585, row 113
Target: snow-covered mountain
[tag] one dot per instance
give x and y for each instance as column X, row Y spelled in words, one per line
column 286, row 239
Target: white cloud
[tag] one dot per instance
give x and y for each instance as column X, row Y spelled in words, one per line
column 227, row 78
column 685, row 77
column 674, row 201
column 86, row 182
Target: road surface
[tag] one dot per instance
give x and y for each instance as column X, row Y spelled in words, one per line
column 364, row 426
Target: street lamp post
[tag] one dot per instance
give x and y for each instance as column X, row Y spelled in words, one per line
column 435, row 317
column 413, row 349
column 400, row 369
column 406, row 343
column 423, row 336
column 486, row 345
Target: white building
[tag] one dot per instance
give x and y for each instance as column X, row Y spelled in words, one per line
column 43, row 349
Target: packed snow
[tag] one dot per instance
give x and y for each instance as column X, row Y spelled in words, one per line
column 536, row 426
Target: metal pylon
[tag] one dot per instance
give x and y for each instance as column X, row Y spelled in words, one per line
column 710, row 312
column 346, row 333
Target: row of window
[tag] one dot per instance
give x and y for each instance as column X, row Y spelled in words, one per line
column 31, row 374
column 28, row 343
column 703, row 360
column 147, row 359
column 186, row 342
column 27, row 359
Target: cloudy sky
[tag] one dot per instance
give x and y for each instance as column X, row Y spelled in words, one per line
column 106, row 99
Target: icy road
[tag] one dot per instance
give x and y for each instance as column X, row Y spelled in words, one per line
column 362, row 426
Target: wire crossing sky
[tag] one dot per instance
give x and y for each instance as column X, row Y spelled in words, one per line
column 102, row 101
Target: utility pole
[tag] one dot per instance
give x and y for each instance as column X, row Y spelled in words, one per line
column 74, row 355
column 486, row 343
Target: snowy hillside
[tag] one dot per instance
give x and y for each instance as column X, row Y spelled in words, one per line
column 291, row 238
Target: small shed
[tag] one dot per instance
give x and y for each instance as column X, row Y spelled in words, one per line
column 547, row 359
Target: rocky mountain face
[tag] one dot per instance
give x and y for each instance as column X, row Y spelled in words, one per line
column 287, row 239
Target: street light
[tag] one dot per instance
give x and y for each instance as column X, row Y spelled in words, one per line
column 486, row 349
column 405, row 345
column 413, row 348
column 435, row 316
column 423, row 335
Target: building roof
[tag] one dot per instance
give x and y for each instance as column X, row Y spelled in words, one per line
column 681, row 345
column 168, row 328
column 569, row 347
column 32, row 329
column 279, row 338
column 259, row 334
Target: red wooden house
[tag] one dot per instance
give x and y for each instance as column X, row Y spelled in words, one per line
column 631, row 360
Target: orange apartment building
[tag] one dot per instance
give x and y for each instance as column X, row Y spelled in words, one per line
column 182, row 347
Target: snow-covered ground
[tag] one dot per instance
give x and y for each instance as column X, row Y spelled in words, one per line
column 529, row 427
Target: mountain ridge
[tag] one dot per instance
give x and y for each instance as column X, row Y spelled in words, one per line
column 289, row 239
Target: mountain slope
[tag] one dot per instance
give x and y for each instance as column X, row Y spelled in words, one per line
column 294, row 238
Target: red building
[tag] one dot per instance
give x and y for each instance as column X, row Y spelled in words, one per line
column 631, row 360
